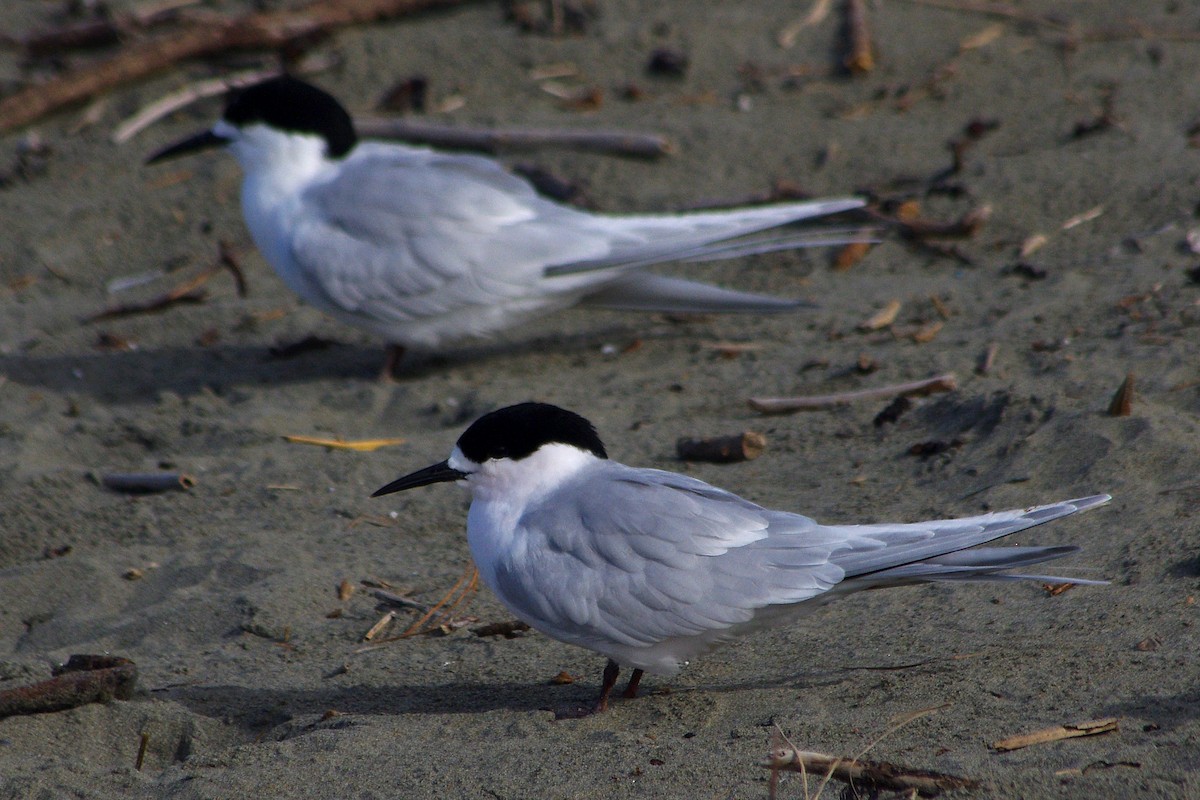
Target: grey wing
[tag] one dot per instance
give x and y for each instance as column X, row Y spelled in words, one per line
column 636, row 557
column 405, row 233
column 946, row 549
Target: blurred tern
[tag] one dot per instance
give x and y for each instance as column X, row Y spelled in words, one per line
column 422, row 247
column 653, row 568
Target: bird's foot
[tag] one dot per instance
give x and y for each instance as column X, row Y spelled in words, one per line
column 391, row 363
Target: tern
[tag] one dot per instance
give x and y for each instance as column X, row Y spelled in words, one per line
column 423, row 248
column 652, row 568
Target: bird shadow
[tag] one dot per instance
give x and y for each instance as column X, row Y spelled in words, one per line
column 256, row 710
column 138, row 376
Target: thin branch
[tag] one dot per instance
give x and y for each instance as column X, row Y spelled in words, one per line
column 624, row 143
column 785, row 405
column 257, row 31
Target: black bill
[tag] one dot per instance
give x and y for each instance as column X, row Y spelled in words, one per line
column 205, row 140
column 436, row 473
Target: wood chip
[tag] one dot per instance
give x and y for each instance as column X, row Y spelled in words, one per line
column 733, row 349
column 882, row 318
column 1122, row 402
column 987, row 359
column 1033, row 243
column 984, row 37
column 378, row 627
column 745, row 446
column 1086, row 216
column 927, row 333
column 1057, row 733
column 850, row 254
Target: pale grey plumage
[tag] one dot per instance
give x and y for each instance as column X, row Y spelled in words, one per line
column 653, row 568
column 423, row 247
column 418, row 245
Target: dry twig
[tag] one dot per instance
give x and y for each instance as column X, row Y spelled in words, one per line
column 493, row 140
column 786, row 405
column 1058, row 732
column 186, row 292
column 268, row 30
column 873, row 776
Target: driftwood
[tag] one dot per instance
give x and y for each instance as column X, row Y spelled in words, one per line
column 744, row 446
column 258, row 31
column 146, row 482
column 1057, row 733
column 623, row 143
column 83, row 679
column 786, row 405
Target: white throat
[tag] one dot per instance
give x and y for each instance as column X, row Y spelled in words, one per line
column 521, row 482
column 278, row 167
column 276, row 163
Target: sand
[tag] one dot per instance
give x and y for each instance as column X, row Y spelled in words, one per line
column 250, row 683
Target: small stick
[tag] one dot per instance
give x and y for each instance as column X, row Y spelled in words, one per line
column 398, row 599
column 1058, row 732
column 872, row 775
column 141, row 756
column 446, row 602
column 745, row 446
column 786, row 405
column 1085, row 216
column 146, row 482
column 382, row 623
column 492, row 140
column 881, row 318
column 964, row 227
column 83, row 679
column 1122, row 402
column 508, row 630
column 187, row 292
column 815, row 16
column 98, row 32
column 228, row 258
column 860, row 58
column 988, row 359
column 991, row 9
column 169, row 104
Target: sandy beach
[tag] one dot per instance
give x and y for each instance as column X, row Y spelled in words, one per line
column 252, row 679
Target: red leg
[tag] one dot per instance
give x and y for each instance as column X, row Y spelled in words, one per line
column 631, row 688
column 611, row 670
column 391, row 362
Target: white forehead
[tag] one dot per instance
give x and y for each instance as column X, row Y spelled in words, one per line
column 460, row 462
